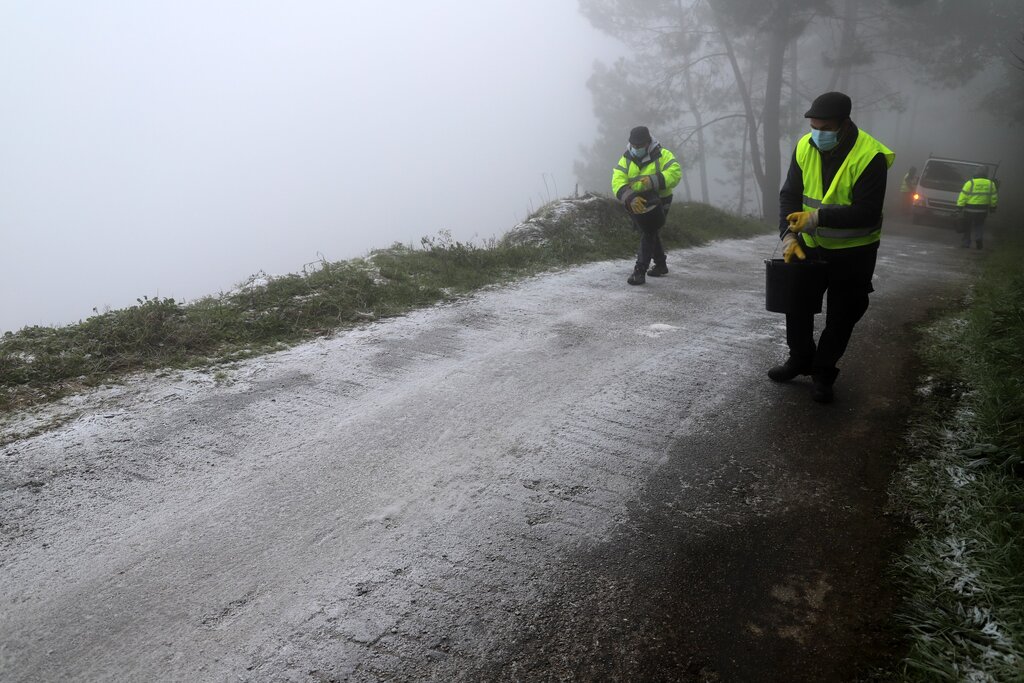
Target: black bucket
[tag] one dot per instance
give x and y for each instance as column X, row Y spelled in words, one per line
column 795, row 287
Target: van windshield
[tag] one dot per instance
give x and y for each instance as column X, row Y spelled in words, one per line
column 947, row 175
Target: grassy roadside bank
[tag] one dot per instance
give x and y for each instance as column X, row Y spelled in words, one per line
column 41, row 364
column 962, row 489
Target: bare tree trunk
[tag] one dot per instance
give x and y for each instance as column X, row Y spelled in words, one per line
column 772, row 133
column 743, row 178
column 794, row 97
column 702, row 166
column 847, row 39
column 759, row 202
column 748, row 105
column 694, row 105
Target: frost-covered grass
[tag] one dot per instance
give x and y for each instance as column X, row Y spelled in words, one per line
column 963, row 490
column 39, row 364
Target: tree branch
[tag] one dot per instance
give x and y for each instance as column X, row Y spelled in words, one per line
column 708, row 123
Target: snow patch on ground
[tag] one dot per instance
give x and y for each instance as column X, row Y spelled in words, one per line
column 658, row 329
column 445, row 463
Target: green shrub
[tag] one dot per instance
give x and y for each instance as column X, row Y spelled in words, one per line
column 963, row 573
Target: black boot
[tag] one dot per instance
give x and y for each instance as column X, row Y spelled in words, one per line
column 790, row 369
column 658, row 269
column 638, row 277
column 822, row 381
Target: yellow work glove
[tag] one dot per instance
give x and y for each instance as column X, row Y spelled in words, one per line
column 638, row 205
column 803, row 221
column 645, row 182
column 790, row 246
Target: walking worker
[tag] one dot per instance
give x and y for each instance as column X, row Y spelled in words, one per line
column 977, row 200
column 643, row 181
column 831, row 210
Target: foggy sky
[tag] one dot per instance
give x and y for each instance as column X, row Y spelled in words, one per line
column 174, row 149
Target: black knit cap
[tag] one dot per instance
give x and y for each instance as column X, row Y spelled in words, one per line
column 831, row 105
column 640, row 136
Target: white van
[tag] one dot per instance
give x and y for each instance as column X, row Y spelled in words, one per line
column 941, row 180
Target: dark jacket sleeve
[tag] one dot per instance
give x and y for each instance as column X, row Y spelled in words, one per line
column 868, row 197
column 791, row 197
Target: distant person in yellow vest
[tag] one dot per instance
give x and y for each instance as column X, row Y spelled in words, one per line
column 831, row 210
column 643, row 181
column 907, row 187
column 977, row 200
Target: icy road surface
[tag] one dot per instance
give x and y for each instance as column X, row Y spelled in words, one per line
column 444, row 496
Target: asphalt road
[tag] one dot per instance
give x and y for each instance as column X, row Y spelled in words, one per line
column 564, row 479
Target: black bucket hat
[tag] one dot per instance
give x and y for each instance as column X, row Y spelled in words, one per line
column 831, row 105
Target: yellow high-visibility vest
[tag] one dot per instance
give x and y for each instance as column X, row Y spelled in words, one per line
column 840, row 192
column 628, row 172
column 978, row 193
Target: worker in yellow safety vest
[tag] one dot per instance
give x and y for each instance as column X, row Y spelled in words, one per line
column 643, row 181
column 977, row 200
column 831, row 211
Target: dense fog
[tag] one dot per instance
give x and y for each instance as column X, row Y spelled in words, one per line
column 176, row 149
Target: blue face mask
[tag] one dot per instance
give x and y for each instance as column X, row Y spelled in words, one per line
column 825, row 139
column 637, row 152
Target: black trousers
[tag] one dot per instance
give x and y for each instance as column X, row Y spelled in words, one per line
column 649, row 224
column 972, row 225
column 848, row 283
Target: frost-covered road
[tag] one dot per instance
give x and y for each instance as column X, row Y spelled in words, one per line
column 567, row 478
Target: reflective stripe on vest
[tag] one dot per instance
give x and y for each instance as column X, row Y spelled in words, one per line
column 657, row 169
column 663, row 193
column 978, row 191
column 840, row 192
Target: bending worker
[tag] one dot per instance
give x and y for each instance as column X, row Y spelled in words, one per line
column 643, row 181
column 977, row 200
column 831, row 210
